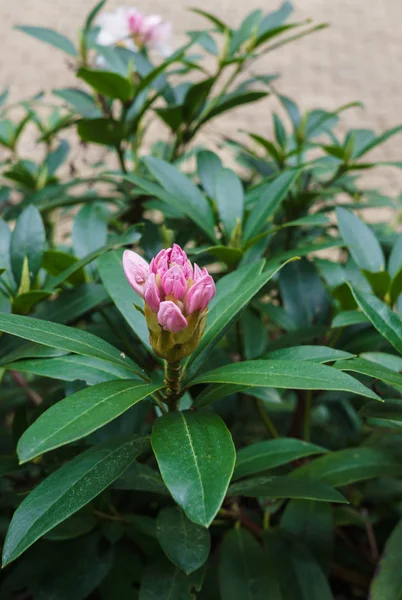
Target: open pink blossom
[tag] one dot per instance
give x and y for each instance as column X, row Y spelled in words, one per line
column 173, row 289
column 129, row 27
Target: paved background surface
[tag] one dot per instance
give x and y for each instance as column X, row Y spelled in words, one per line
column 358, row 58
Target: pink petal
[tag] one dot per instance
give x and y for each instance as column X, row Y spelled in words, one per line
column 199, row 295
column 197, row 272
column 174, row 282
column 136, row 271
column 151, row 293
column 170, row 317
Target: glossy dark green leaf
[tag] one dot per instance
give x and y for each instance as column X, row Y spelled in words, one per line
column 387, row 582
column 55, row 262
column 319, row 354
column 312, row 523
column 215, row 392
column 234, row 292
column 388, row 323
column 80, row 414
column 350, row 465
column 142, row 478
column 27, row 240
column 387, row 414
column 268, row 204
column 192, row 200
column 303, row 375
column 162, row 579
column 254, row 335
column 122, row 294
column 269, row 454
column 186, row 544
column 285, row 487
column 395, row 258
column 107, row 83
column 24, row 303
column 67, row 490
column 303, row 294
column 50, row 37
column 349, row 317
column 208, row 164
column 101, row 131
column 229, row 196
column 196, row 457
column 64, row 338
column 89, row 229
column 243, row 572
column 361, row 241
column 372, row 369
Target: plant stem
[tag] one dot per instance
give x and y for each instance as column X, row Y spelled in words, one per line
column 172, row 381
column 270, row 427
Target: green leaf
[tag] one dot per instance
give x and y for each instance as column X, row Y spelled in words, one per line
column 186, row 544
column 388, row 323
column 64, row 338
column 55, row 262
column 234, row 292
column 254, row 336
column 162, row 579
column 89, row 229
column 92, row 15
column 303, row 294
column 266, row 207
column 80, row 414
column 395, row 258
column 208, row 166
column 142, row 478
column 214, row 392
column 49, row 36
column 229, row 101
column 72, row 367
column 24, row 303
column 107, row 83
column 221, row 26
column 320, row 354
column 367, row 367
column 229, row 196
column 312, row 523
column 67, row 490
column 304, row 375
column 361, row 241
column 373, row 141
column 388, row 414
column 349, row 466
column 276, row 18
column 80, row 101
column 349, row 317
column 101, row 131
column 27, row 240
column 196, row 457
column 285, row 487
column 269, row 454
column 243, row 570
column 387, row 581
column 395, row 288
column 192, row 201
column 122, row 294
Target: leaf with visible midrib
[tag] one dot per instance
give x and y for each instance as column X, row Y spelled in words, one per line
column 67, row 490
column 64, row 338
column 196, row 456
column 303, row 375
column 80, row 414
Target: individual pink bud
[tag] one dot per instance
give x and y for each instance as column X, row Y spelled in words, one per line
column 170, row 317
column 197, row 272
column 200, row 294
column 160, row 264
column 136, row 271
column 174, row 282
column 178, row 255
column 151, row 293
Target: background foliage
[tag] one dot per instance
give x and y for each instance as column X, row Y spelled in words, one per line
column 280, row 474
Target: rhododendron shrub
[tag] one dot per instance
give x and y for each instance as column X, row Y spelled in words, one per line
column 200, row 352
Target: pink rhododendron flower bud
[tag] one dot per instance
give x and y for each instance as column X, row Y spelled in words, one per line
column 170, row 317
column 174, row 282
column 130, row 28
column 136, row 271
column 151, row 293
column 199, row 295
column 176, row 296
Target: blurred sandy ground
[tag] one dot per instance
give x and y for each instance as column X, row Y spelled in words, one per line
column 358, row 58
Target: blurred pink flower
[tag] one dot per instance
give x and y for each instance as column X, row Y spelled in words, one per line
column 132, row 29
column 172, row 288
